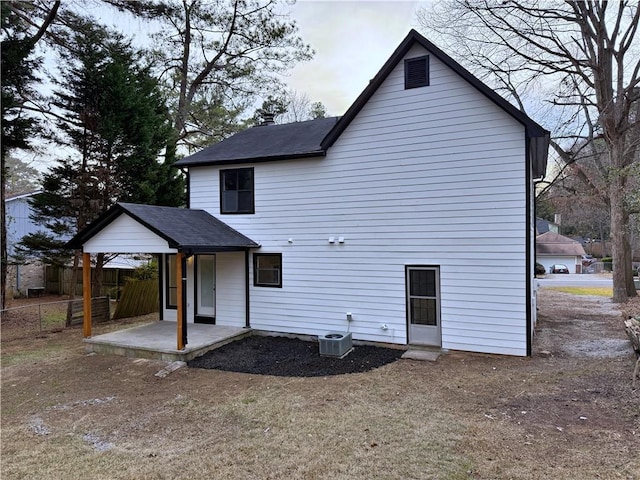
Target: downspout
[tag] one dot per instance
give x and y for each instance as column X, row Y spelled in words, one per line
column 161, row 259
column 528, row 239
column 247, row 318
column 184, row 298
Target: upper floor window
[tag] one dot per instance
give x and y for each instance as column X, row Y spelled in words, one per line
column 236, row 190
column 416, row 72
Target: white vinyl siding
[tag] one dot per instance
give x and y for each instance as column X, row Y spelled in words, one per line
column 230, row 289
column 126, row 235
column 426, row 176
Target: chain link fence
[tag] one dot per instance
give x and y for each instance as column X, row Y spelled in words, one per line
column 31, row 320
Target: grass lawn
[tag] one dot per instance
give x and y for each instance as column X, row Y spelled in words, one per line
column 595, row 291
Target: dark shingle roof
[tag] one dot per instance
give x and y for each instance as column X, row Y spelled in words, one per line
column 187, row 230
column 266, row 142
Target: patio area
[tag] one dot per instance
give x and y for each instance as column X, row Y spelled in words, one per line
column 157, row 341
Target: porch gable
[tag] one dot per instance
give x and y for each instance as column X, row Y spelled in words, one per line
column 126, row 235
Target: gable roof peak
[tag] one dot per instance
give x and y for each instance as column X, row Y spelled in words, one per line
column 538, row 136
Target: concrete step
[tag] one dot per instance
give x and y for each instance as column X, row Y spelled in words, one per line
column 421, row 355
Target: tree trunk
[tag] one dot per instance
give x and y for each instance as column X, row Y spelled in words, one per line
column 3, row 235
column 618, row 233
column 97, row 275
column 628, row 261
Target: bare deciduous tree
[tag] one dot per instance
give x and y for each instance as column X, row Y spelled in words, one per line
column 222, row 53
column 582, row 59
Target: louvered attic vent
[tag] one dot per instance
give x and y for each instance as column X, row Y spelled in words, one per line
column 416, row 72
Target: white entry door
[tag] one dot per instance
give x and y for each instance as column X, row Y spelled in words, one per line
column 423, row 306
column 206, row 289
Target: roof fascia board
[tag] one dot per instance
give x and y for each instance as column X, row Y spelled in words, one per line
column 235, row 161
column 23, row 195
column 531, row 127
column 201, row 250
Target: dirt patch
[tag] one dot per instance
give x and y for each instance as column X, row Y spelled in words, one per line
column 288, row 357
column 566, row 412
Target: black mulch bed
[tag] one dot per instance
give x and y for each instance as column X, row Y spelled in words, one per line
column 288, row 357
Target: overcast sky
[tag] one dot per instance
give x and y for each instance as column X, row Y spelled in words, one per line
column 352, row 40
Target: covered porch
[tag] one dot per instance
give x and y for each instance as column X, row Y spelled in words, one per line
column 157, row 341
column 184, row 234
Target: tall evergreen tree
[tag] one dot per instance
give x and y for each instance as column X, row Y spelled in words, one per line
column 18, row 76
column 115, row 123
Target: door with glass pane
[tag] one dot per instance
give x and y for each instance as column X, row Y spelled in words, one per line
column 423, row 306
column 206, row 288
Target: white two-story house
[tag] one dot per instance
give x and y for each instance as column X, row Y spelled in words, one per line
column 409, row 220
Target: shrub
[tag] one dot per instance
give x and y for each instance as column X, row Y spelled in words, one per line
column 145, row 272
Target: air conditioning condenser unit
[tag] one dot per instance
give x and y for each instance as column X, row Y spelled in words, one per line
column 335, row 344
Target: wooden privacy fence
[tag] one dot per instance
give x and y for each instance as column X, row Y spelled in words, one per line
column 100, row 310
column 58, row 280
column 138, row 298
column 632, row 327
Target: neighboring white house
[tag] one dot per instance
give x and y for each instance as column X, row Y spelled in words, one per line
column 409, row 220
column 553, row 248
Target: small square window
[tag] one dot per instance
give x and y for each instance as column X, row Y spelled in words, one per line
column 416, row 72
column 267, row 270
column 237, row 191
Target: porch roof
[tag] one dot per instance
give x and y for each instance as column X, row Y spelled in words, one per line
column 187, row 230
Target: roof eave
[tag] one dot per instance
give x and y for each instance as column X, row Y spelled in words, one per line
column 203, row 249
column 234, row 161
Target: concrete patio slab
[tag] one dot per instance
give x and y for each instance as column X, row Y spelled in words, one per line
column 157, row 341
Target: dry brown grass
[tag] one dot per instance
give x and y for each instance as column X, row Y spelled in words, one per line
column 69, row 415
